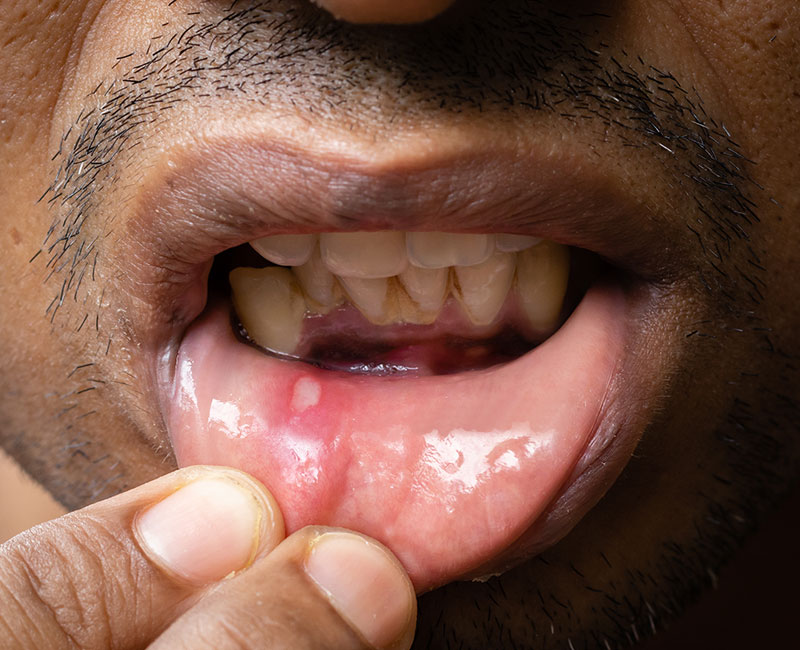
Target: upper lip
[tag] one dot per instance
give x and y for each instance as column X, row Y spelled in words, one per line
column 229, row 186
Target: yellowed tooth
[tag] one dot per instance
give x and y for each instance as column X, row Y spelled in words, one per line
column 369, row 295
column 402, row 309
column 286, row 250
column 366, row 255
column 426, row 287
column 482, row 289
column 542, row 275
column 319, row 284
column 270, row 305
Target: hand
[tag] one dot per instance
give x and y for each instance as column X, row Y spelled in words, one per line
column 198, row 559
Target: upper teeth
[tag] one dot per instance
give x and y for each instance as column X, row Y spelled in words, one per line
column 286, row 250
column 392, row 276
column 437, row 250
column 366, row 255
column 388, row 253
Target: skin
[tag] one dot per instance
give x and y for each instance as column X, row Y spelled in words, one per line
column 719, row 441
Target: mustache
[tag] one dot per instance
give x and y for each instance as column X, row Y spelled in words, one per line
column 510, row 58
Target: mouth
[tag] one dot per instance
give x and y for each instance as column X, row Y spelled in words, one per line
column 434, row 349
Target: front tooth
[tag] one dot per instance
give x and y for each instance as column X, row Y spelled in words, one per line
column 426, row 287
column 270, row 305
column 436, row 250
column 286, row 250
column 482, row 289
column 542, row 274
column 367, row 255
column 515, row 243
column 318, row 283
column 369, row 295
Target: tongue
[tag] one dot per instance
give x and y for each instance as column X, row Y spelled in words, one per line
column 447, row 471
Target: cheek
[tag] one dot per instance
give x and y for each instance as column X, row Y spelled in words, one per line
column 61, row 381
column 752, row 49
column 121, row 31
column 27, row 347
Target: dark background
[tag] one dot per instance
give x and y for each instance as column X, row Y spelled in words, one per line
column 756, row 604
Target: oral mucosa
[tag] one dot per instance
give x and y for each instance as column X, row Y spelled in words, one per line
column 396, row 279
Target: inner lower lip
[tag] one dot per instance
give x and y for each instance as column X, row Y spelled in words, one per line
column 447, row 470
column 345, row 341
column 435, row 357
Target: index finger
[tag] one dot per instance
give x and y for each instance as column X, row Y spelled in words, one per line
column 119, row 572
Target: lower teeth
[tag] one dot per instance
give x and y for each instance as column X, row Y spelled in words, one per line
column 270, row 305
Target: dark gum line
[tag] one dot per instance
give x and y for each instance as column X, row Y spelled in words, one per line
column 340, row 355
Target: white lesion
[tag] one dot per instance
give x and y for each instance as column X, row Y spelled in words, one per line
column 306, row 394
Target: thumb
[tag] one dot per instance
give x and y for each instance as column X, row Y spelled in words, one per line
column 118, row 573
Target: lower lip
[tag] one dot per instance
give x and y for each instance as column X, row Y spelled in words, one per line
column 448, row 471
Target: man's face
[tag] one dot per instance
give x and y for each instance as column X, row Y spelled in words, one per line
column 656, row 140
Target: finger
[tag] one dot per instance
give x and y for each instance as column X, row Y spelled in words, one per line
column 320, row 588
column 385, row 11
column 117, row 573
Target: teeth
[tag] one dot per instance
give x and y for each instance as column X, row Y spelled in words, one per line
column 395, row 277
column 515, row 243
column 366, row 255
column 318, row 283
column 286, row 250
column 426, row 287
column 482, row 289
column 270, row 305
column 436, row 250
column 542, row 274
column 369, row 295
